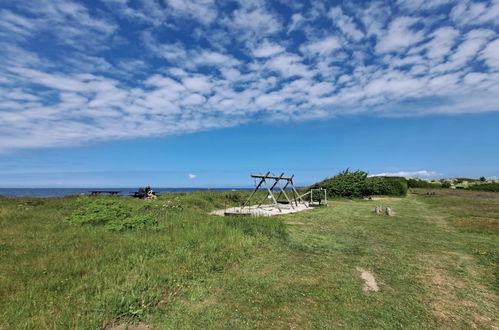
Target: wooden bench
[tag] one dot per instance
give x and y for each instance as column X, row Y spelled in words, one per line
column 110, row 192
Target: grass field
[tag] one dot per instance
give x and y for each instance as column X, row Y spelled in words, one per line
column 435, row 261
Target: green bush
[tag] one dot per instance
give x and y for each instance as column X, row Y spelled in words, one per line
column 446, row 184
column 418, row 183
column 492, row 187
column 358, row 184
column 387, row 185
column 346, row 184
column 461, row 180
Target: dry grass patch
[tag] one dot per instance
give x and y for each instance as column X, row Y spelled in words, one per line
column 457, row 299
column 124, row 326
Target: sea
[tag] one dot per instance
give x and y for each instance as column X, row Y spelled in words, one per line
column 61, row 192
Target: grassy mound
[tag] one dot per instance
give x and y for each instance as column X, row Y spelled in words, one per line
column 358, row 184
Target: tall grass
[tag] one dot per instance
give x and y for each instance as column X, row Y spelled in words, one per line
column 83, row 262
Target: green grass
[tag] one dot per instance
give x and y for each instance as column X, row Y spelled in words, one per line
column 435, row 261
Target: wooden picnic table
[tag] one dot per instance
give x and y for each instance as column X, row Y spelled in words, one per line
column 110, row 192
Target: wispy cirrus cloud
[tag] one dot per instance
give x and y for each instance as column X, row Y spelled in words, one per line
column 71, row 73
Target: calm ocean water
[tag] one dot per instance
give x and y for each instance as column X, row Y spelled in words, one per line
column 60, row 192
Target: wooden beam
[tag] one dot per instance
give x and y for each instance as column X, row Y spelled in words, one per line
column 260, row 176
column 254, row 191
column 285, row 195
column 285, row 186
column 271, row 195
column 271, row 188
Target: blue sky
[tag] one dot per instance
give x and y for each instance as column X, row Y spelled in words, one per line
column 202, row 93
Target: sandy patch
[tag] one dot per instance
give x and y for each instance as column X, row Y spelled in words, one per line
column 381, row 198
column 139, row 326
column 296, row 223
column 369, row 281
column 264, row 210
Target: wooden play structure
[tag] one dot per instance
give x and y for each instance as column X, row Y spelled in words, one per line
column 285, row 198
column 271, row 187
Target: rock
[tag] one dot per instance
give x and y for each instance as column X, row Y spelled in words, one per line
column 389, row 211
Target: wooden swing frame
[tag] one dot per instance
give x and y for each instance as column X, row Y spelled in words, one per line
column 266, row 181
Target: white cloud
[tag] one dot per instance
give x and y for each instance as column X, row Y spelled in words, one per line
column 15, row 24
column 267, row 49
column 475, row 12
column 473, row 42
column 443, row 40
column 254, row 20
column 346, row 24
column 214, row 58
column 411, row 174
column 374, row 18
column 288, row 65
column 68, row 22
column 491, row 54
column 422, row 4
column 399, row 35
column 181, row 72
column 51, row 80
column 322, row 47
column 296, row 21
column 203, row 11
column 198, row 84
column 193, row 99
column 192, row 176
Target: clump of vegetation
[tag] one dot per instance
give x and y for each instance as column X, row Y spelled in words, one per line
column 234, row 197
column 358, row 184
column 420, row 183
column 492, row 187
column 346, row 184
column 446, row 184
column 387, row 185
column 114, row 214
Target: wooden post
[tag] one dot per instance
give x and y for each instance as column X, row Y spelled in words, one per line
column 296, row 192
column 254, row 191
column 284, row 193
column 271, row 188
column 272, row 195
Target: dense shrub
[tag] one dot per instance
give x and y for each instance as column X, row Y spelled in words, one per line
column 493, row 187
column 387, row 185
column 446, row 184
column 461, row 180
column 358, row 184
column 346, row 184
column 418, row 183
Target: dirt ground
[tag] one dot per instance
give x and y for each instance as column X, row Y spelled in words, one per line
column 264, row 210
